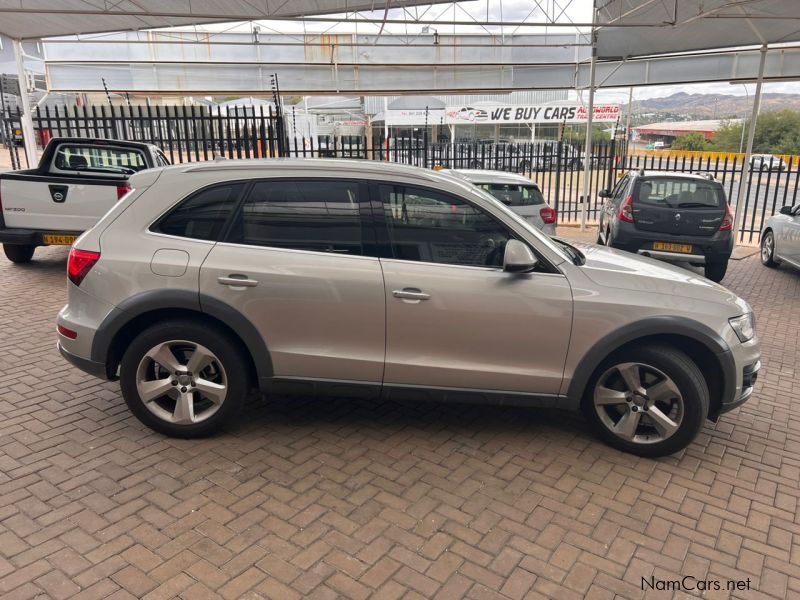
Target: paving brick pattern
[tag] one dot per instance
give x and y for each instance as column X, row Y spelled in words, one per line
column 337, row 498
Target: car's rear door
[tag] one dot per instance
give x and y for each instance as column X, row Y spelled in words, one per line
column 293, row 263
column 676, row 206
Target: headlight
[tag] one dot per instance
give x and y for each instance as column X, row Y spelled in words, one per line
column 744, row 326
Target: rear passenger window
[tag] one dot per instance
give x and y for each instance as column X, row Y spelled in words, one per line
column 321, row 216
column 202, row 215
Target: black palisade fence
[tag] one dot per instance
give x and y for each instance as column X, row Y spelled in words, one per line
column 200, row 133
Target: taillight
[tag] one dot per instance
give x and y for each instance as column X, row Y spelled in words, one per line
column 727, row 220
column 548, row 215
column 67, row 333
column 79, row 263
column 626, row 210
column 122, row 190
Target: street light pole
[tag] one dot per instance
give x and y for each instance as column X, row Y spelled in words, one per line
column 587, row 160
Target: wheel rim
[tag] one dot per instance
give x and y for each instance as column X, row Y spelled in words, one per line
column 181, row 382
column 766, row 248
column 638, row 403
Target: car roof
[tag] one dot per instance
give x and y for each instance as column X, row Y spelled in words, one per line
column 675, row 174
column 488, row 176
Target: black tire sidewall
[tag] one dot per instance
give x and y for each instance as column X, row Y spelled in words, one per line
column 228, row 353
column 19, row 253
column 686, row 375
column 770, row 262
column 715, row 271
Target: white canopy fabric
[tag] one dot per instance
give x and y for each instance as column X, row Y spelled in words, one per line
column 29, row 19
column 631, row 28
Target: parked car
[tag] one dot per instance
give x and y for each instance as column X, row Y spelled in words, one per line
column 303, row 276
column 780, row 238
column 519, row 193
column 669, row 216
column 766, row 162
column 76, row 182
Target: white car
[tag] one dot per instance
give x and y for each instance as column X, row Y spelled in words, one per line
column 519, row 193
column 780, row 238
column 766, row 162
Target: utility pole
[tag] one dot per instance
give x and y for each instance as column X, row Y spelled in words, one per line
column 587, row 160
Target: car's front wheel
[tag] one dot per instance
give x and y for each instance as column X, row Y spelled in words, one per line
column 649, row 400
column 19, row 253
column 183, row 379
column 715, row 271
column 768, row 250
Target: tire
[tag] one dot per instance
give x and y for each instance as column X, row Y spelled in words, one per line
column 19, row 253
column 768, row 250
column 599, row 239
column 715, row 271
column 682, row 401
column 609, row 238
column 182, row 339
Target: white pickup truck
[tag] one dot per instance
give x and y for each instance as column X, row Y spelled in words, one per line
column 77, row 181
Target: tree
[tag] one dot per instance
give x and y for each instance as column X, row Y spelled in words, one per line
column 776, row 133
column 690, row 141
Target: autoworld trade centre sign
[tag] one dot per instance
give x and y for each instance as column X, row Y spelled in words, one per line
column 543, row 113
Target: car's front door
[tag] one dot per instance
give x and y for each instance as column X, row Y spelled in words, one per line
column 454, row 318
column 293, row 264
column 788, row 242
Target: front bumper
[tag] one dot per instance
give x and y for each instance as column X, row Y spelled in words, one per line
column 749, row 377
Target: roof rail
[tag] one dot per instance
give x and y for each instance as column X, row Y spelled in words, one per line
column 708, row 176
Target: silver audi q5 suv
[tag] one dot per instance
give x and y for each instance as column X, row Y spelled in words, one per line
column 360, row 277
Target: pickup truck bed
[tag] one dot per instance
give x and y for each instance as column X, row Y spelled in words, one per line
column 77, row 181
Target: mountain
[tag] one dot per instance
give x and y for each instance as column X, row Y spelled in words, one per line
column 712, row 106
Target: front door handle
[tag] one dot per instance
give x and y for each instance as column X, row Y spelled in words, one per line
column 411, row 294
column 237, row 281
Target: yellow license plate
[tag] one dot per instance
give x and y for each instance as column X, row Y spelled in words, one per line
column 669, row 247
column 59, row 240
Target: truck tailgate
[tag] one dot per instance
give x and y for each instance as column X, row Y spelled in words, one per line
column 57, row 204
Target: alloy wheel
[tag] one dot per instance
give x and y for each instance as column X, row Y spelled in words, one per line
column 767, row 247
column 638, row 403
column 181, row 382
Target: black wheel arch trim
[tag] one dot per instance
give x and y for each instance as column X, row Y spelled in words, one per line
column 153, row 300
column 651, row 326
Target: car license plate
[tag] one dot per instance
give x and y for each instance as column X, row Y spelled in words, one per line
column 670, row 247
column 59, row 240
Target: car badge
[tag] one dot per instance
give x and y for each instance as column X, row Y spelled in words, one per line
column 678, row 216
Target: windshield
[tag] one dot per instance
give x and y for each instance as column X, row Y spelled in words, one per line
column 514, row 194
column 677, row 192
column 103, row 159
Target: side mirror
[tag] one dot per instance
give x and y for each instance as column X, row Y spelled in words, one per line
column 518, row 258
column 786, row 210
column 604, row 193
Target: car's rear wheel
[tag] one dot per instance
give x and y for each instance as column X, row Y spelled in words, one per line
column 19, row 253
column 649, row 400
column 768, row 250
column 715, row 271
column 183, row 379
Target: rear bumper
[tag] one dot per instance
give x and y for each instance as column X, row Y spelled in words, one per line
column 91, row 367
column 28, row 237
column 713, row 248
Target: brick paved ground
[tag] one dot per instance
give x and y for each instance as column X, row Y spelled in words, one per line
column 324, row 498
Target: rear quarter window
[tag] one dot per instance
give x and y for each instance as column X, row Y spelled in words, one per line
column 675, row 192
column 202, row 215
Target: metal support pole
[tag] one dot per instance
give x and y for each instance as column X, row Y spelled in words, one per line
column 751, row 132
column 587, row 160
column 28, row 134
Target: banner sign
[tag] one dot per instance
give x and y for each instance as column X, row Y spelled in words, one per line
column 540, row 113
column 414, row 116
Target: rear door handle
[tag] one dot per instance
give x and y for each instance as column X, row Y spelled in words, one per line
column 411, row 294
column 237, row 281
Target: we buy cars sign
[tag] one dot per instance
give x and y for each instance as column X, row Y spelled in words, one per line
column 544, row 113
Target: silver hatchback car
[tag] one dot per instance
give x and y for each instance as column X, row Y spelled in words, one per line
column 367, row 278
column 519, row 193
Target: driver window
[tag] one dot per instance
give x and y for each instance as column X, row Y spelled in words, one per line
column 428, row 226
